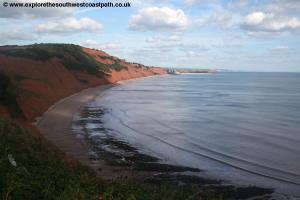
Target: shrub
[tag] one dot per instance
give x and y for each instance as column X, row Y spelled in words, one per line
column 39, row 173
column 8, row 95
column 72, row 56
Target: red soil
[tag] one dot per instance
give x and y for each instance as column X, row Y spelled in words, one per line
column 132, row 71
column 43, row 83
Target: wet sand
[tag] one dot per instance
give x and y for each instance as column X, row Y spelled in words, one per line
column 56, row 123
column 56, row 127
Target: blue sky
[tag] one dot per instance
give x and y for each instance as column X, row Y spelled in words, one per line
column 247, row 35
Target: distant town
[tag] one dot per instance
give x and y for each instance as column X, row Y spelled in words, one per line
column 190, row 71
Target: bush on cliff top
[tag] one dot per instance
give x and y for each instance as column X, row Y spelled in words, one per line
column 117, row 66
column 72, row 56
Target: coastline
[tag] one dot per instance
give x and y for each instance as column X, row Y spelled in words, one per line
column 56, row 126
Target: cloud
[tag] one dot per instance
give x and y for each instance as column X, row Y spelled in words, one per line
column 281, row 48
column 238, row 3
column 34, row 13
column 260, row 34
column 103, row 46
column 16, row 35
column 89, row 43
column 109, row 46
column 192, row 2
column 268, row 22
column 192, row 54
column 143, row 3
column 159, row 19
column 173, row 43
column 173, row 38
column 192, row 47
column 69, row 26
column 220, row 19
column 283, row 6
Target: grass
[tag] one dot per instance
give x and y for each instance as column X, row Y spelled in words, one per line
column 117, row 66
column 40, row 173
column 72, row 56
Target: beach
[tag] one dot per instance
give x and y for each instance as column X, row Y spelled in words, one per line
column 56, row 126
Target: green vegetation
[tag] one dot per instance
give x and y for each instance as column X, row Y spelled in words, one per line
column 8, row 95
column 117, row 66
column 30, row 170
column 18, row 77
column 72, row 56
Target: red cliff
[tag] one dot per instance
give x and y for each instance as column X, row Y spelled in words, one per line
column 42, row 79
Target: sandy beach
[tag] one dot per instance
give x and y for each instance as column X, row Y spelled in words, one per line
column 56, row 126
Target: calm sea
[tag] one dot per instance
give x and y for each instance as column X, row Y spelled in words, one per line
column 240, row 127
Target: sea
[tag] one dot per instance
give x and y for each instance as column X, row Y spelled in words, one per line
column 240, row 127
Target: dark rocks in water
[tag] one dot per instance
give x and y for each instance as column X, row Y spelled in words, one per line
column 159, row 167
column 140, row 157
column 86, row 121
column 118, row 144
column 214, row 187
column 181, row 179
column 232, row 192
column 116, row 152
column 96, row 112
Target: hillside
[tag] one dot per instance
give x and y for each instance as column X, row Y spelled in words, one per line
column 32, row 166
column 31, row 170
column 33, row 77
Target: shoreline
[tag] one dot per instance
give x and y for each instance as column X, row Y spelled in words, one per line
column 56, row 126
column 56, row 123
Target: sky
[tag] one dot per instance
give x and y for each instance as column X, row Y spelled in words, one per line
column 239, row 35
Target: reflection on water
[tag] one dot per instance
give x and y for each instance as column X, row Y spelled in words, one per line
column 243, row 127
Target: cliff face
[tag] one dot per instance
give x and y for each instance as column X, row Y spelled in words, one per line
column 125, row 70
column 41, row 79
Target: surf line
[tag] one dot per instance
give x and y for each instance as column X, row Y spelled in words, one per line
column 206, row 156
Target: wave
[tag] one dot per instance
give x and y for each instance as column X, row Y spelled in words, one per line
column 235, row 162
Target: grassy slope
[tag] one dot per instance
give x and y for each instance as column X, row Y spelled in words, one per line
column 72, row 56
column 41, row 174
